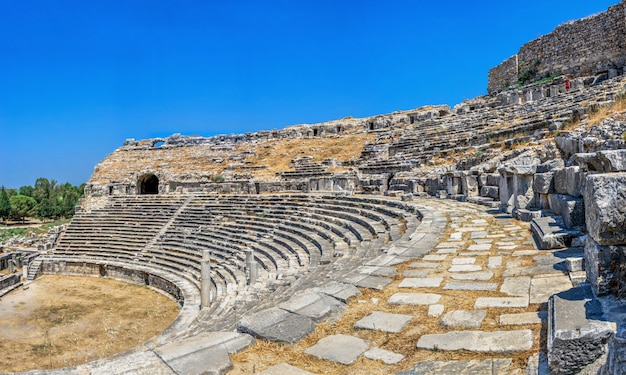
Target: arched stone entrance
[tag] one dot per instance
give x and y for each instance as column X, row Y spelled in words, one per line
column 148, row 184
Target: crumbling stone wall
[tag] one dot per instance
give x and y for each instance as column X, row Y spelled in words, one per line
column 592, row 45
column 503, row 75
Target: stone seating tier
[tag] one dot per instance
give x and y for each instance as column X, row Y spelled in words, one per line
column 289, row 233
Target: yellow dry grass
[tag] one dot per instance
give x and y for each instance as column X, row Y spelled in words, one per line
column 277, row 155
column 65, row 321
column 597, row 116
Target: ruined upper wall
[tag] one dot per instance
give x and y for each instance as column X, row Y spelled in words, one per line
column 584, row 47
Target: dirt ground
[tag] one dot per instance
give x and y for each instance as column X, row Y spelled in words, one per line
column 62, row 321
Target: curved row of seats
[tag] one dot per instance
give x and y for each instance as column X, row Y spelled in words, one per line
column 487, row 121
column 289, row 233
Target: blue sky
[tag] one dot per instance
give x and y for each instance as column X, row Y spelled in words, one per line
column 79, row 77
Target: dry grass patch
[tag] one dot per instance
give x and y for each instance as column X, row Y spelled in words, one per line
column 277, row 155
column 66, row 321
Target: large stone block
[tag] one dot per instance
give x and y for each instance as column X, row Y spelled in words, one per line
column 493, row 179
column 470, row 186
column 523, row 193
column 550, row 165
column 275, row 324
column 560, row 181
column 571, row 209
column 604, row 161
column 544, row 183
column 574, row 180
column 577, row 334
column 490, row 191
column 605, row 267
column 605, row 202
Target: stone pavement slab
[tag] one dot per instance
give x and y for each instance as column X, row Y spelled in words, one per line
column 480, row 247
column 339, row 348
column 434, row 257
column 464, row 318
column 482, row 367
column 385, row 260
column 341, row 291
column 447, row 251
column 449, row 244
column 415, row 273
column 388, row 357
column 458, row 261
column 474, row 253
column 541, row 288
column 317, row 306
column 516, row 286
column 414, row 299
column 522, row 318
column 275, row 324
column 370, row 282
column 435, row 310
column 494, row 262
column 420, row 282
column 479, row 341
column 521, row 253
column 459, row 285
column 531, row 271
column 478, row 234
column 285, row 369
column 206, row 352
column 382, row 321
column 503, row 302
column 378, row 271
column 465, row 268
column 485, row 275
column 140, row 363
column 423, row 265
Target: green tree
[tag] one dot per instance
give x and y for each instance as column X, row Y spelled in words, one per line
column 22, row 206
column 5, row 205
column 43, row 188
column 26, row 190
column 11, row 192
column 44, row 210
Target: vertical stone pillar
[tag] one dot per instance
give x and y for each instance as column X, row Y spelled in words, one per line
column 251, row 266
column 25, row 271
column 205, row 282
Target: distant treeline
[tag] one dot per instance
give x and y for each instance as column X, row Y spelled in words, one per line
column 45, row 200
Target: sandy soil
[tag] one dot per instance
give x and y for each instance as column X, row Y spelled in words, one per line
column 65, row 321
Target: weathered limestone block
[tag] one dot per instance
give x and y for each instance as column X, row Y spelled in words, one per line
column 605, row 267
column 453, row 185
column 470, row 186
column 544, row 183
column 569, row 181
column 493, row 179
column 490, row 191
column 569, row 146
column 523, row 194
column 560, row 181
column 574, row 180
column 276, row 324
column 549, row 233
column 605, row 161
column 605, row 203
column 550, row 165
column 616, row 360
column 571, row 209
column 577, row 334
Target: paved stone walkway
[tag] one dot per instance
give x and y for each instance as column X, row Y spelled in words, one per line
column 474, row 303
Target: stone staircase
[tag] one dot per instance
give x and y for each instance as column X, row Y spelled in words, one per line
column 34, row 269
